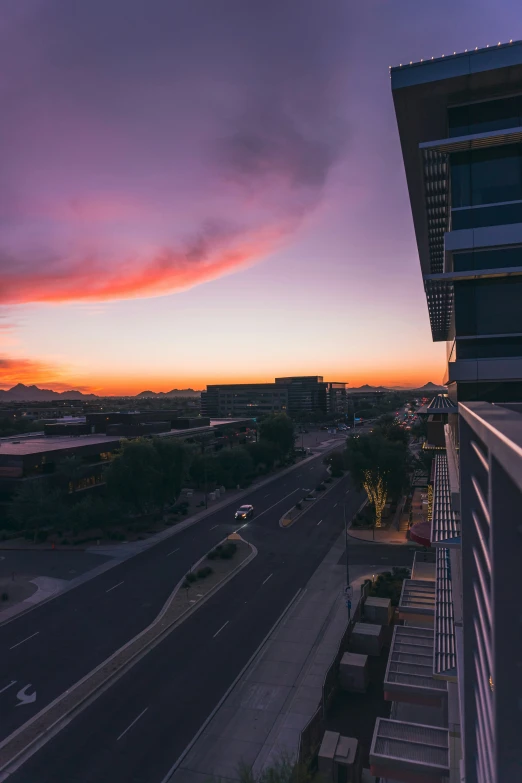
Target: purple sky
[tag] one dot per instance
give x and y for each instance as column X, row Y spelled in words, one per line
column 207, row 190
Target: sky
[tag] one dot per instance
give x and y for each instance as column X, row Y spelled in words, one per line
column 203, row 191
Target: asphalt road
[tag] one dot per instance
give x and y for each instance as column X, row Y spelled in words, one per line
column 54, row 645
column 138, row 728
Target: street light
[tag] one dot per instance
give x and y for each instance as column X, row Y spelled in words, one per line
column 347, row 589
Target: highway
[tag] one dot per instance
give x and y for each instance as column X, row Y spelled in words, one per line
column 137, row 728
column 54, row 645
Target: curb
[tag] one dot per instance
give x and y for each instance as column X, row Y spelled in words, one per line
column 46, row 734
column 150, row 542
column 297, row 597
column 310, row 504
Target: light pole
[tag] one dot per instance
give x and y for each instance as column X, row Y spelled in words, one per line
column 347, row 590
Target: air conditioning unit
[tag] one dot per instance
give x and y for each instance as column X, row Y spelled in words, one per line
column 339, row 759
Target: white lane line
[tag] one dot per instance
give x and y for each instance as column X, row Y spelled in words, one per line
column 266, row 580
column 114, row 587
column 334, row 505
column 276, row 503
column 24, row 640
column 213, row 528
column 267, row 496
column 173, row 551
column 13, row 682
column 132, row 724
column 223, row 626
column 319, row 522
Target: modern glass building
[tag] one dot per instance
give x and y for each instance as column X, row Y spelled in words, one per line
column 460, row 126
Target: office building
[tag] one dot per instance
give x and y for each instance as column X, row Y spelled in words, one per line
column 455, row 671
column 37, row 455
column 296, row 395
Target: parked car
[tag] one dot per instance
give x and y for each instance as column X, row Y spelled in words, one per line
column 244, row 512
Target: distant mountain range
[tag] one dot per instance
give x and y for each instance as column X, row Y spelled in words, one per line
column 171, row 393
column 22, row 393
column 428, row 387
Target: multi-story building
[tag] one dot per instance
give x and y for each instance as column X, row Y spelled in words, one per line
column 455, row 668
column 292, row 395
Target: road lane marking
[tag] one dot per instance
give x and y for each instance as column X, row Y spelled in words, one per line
column 266, row 580
column 173, row 551
column 334, row 505
column 213, row 528
column 132, row 724
column 267, row 496
column 13, row 682
column 277, row 503
column 223, row 626
column 25, row 698
column 24, row 640
column 319, row 522
column 114, row 587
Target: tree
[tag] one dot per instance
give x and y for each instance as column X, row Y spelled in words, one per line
column 234, row 466
column 34, row 506
column 336, row 462
column 173, row 460
column 278, row 429
column 263, row 453
column 387, row 427
column 379, row 466
column 70, row 470
column 134, row 476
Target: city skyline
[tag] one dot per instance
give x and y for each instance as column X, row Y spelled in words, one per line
column 262, row 230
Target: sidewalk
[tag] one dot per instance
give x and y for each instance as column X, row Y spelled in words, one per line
column 382, row 536
column 265, row 710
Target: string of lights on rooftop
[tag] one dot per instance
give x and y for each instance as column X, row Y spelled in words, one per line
column 476, row 49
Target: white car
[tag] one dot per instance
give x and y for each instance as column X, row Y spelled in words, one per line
column 245, row 512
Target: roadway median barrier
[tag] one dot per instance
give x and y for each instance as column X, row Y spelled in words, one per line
column 183, row 601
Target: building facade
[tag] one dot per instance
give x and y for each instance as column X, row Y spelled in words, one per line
column 296, row 395
column 460, row 125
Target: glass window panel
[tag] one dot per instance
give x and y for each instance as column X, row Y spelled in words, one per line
column 458, row 121
column 486, row 116
column 460, row 179
column 496, row 175
column 488, row 306
column 489, row 348
column 488, row 259
column 486, row 216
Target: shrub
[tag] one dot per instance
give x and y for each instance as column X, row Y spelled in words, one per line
column 204, row 572
column 42, row 536
column 228, row 551
column 190, row 577
column 320, row 488
column 212, row 555
column 5, row 596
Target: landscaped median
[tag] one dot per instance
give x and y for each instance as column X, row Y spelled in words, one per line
column 292, row 514
column 206, row 577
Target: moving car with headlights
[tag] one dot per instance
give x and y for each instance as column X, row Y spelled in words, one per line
column 245, row 512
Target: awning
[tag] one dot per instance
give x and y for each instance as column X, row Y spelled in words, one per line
column 444, row 653
column 409, row 673
column 413, row 749
column 420, row 533
column 445, row 525
column 417, row 597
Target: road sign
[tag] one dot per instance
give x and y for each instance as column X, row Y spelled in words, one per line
column 348, row 603
column 348, row 591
